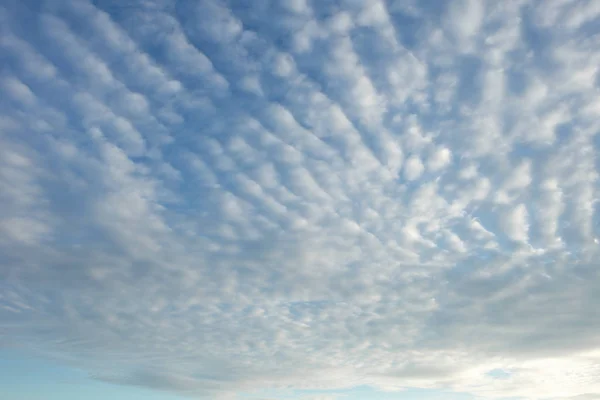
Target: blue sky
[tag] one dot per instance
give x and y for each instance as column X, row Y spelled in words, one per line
column 296, row 199
column 27, row 377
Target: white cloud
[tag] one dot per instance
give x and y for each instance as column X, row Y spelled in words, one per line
column 283, row 65
column 26, row 230
column 239, row 200
column 30, row 60
column 549, row 210
column 413, row 168
column 306, row 36
column 516, row 223
column 340, row 23
column 297, row 6
column 439, row 159
column 18, row 91
column 465, row 17
column 519, row 178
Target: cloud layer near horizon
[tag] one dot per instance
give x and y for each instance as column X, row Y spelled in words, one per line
column 216, row 198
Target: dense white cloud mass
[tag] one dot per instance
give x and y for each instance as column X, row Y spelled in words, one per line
column 220, row 197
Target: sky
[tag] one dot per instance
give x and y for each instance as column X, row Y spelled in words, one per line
column 299, row 199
